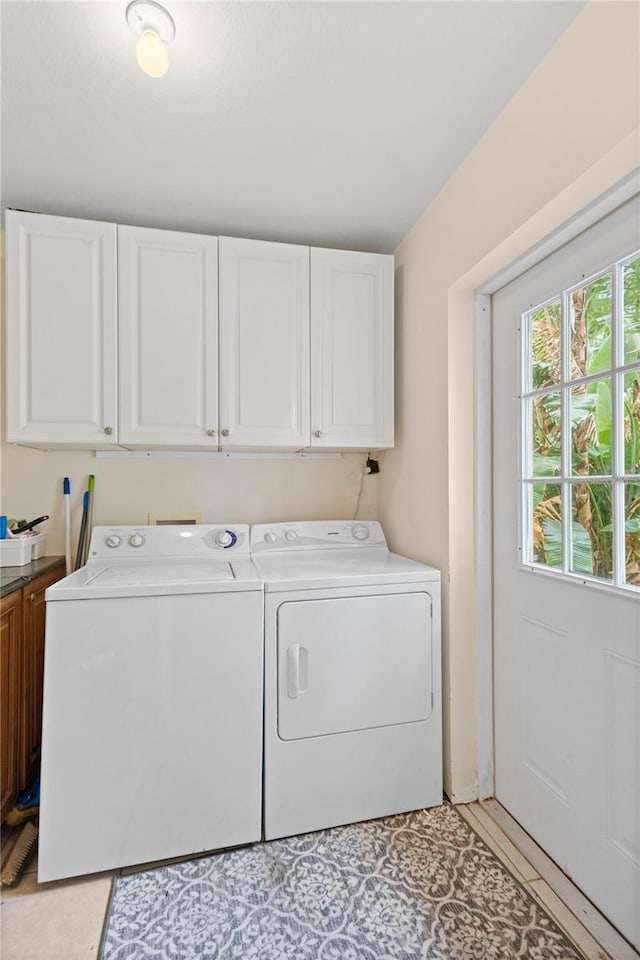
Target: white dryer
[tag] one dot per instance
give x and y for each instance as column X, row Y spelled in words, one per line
column 152, row 721
column 352, row 676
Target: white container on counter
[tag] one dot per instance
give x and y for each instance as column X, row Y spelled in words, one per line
column 18, row 551
column 38, row 543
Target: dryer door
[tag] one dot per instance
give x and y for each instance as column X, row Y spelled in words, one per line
column 353, row 663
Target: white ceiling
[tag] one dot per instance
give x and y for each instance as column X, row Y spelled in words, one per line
column 333, row 123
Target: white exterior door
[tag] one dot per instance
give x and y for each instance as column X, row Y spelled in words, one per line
column 168, row 337
column 566, row 338
column 61, row 331
column 351, row 349
column 264, row 344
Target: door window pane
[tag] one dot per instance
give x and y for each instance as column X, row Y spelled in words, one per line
column 591, row 434
column 545, row 412
column 547, row 524
column 590, row 319
column 544, row 339
column 631, row 310
column 581, row 435
column 632, row 533
column 632, row 422
column 591, row 530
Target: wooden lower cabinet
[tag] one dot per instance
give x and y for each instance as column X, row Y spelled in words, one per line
column 33, row 626
column 10, row 644
column 21, row 676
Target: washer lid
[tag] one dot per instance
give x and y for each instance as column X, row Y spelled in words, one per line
column 317, row 569
column 167, row 574
column 150, row 578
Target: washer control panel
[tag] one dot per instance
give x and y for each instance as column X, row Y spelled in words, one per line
column 170, row 540
column 316, row 534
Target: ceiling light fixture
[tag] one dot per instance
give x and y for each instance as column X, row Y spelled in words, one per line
column 154, row 28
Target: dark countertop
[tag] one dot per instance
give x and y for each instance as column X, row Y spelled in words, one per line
column 14, row 578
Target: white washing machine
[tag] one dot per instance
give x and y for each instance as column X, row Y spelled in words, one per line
column 152, row 721
column 352, row 677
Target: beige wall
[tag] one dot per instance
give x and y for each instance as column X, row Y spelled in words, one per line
column 227, row 490
column 222, row 490
column 569, row 134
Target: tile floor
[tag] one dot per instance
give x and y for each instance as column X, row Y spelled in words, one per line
column 63, row 920
column 581, row 921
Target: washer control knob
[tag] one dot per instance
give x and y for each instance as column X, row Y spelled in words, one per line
column 270, row 537
column 360, row 532
column 291, row 536
column 136, row 540
column 226, row 538
column 113, row 540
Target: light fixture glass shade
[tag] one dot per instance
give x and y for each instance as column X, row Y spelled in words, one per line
column 152, row 54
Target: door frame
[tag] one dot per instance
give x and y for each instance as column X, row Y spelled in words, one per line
column 599, row 208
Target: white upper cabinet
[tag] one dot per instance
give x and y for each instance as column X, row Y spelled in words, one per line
column 61, row 331
column 351, row 349
column 136, row 337
column 168, row 340
column 264, row 344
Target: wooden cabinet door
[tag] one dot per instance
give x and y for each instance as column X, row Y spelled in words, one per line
column 351, row 349
column 264, row 344
column 61, row 331
column 10, row 642
column 168, row 338
column 32, row 671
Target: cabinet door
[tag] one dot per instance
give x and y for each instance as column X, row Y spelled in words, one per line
column 351, row 349
column 32, row 672
column 10, row 633
column 61, row 331
column 264, row 344
column 168, row 337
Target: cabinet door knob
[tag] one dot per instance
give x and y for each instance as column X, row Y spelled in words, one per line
column 32, row 597
column 108, row 431
column 225, row 433
column 317, row 433
column 211, row 433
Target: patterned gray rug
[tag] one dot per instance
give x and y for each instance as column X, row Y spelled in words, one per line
column 419, row 886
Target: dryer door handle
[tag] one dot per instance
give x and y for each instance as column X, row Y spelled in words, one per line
column 297, row 670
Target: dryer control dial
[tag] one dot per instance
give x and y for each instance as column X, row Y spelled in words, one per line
column 136, row 540
column 113, row 540
column 270, row 537
column 360, row 532
column 291, row 536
